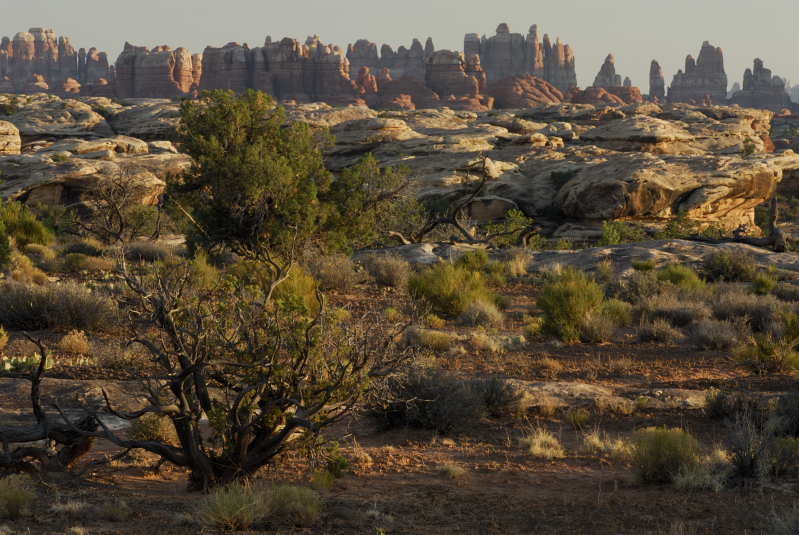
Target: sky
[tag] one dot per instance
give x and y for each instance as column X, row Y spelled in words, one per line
column 634, row 31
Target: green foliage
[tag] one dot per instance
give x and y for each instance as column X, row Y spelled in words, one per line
column 153, row 426
column 679, row 227
column 22, row 225
column 643, row 265
column 257, row 186
column 235, row 507
column 734, row 265
column 659, row 454
column 60, row 157
column 16, row 494
column 763, row 283
column 615, row 232
column 748, row 148
column 766, row 355
column 681, row 276
column 617, row 310
column 5, row 248
column 336, row 463
column 117, row 511
column 449, row 289
column 507, row 232
column 578, row 417
column 473, row 260
column 10, row 108
column 566, row 301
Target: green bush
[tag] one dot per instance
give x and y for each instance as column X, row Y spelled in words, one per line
column 480, row 313
column 735, row 265
column 681, row 276
column 153, row 427
column 617, row 310
column 614, row 232
column 23, row 226
column 16, row 494
column 567, row 300
column 450, row 289
column 763, row 283
column 642, row 265
column 678, row 312
column 5, row 248
column 388, row 270
column 333, row 272
column 658, row 454
column 766, row 355
column 473, row 260
column 234, row 507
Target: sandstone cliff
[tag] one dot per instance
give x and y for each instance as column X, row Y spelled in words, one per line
column 704, row 79
column 761, row 90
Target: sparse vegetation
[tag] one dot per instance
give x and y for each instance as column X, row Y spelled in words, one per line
column 541, row 444
column 658, row 455
column 16, row 495
column 388, row 270
column 566, row 301
column 733, row 265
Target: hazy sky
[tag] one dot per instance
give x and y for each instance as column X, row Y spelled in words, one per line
column 634, row 31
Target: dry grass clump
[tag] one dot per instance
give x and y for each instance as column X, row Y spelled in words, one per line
column 153, row 427
column 482, row 342
column 764, row 354
column 433, row 322
column 21, row 269
column 333, row 272
column 723, row 404
column 659, row 330
column 452, row 472
column 578, row 417
column 481, row 313
column 617, row 310
column 68, row 306
column 3, row 338
column 785, row 523
column 500, row 396
column 783, row 420
column 681, row 276
column 74, row 343
column 709, row 475
column 711, row 334
column 678, row 312
column 95, row 263
column 597, row 328
column 732, row 265
column 234, row 507
column 86, row 246
column 146, row 251
column 68, row 508
column 518, row 261
column 542, row 444
column 730, row 302
column 785, row 291
column 659, row 454
column 117, row 511
column 388, row 270
column 434, row 340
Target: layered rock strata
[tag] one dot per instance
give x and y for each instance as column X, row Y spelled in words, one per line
column 761, row 90
column 657, row 86
column 160, row 73
column 704, row 79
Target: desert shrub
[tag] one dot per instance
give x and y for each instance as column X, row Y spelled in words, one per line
column 730, row 302
column 94, row 264
column 5, row 247
column 434, row 340
column 642, row 265
column 763, row 283
column 68, row 306
column 39, row 252
column 518, row 261
column 711, row 474
column 22, row 225
column 785, row 523
column 3, row 338
column 711, row 334
column 751, row 452
column 482, row 313
column 154, row 427
column 290, row 505
column 300, row 286
column 723, row 404
column 433, row 321
column 388, row 270
column 681, row 276
column 333, row 272
column 426, row 398
column 87, row 246
column 234, row 507
column 75, row 261
column 542, row 444
column 734, row 265
column 473, row 260
column 74, row 343
column 783, row 420
column 452, row 472
column 577, row 417
column 391, row 314
column 676, row 311
column 117, row 511
column 659, row 330
column 641, row 285
column 605, row 270
column 16, row 494
column 786, row 292
column 657, row 455
column 145, row 251
column 449, row 289
column 763, row 354
column 617, row 310
column 567, row 300
column 597, row 328
column 21, row 269
column 500, row 396
column 614, row 232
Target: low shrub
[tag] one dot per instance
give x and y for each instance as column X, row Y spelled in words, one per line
column 388, row 270
column 68, row 306
column 300, row 286
column 145, row 251
column 3, row 338
column 785, row 523
column 723, row 404
column 500, row 396
column 518, row 261
column 681, row 276
column 567, row 300
column 480, row 313
column 16, row 495
column 452, row 472
column 426, row 398
column 75, row 261
column 710, row 475
column 751, row 453
column 22, row 225
column 730, row 302
column 766, row 355
column 605, row 270
column 333, row 272
column 733, row 265
column 5, row 247
column 474, row 261
column 433, row 322
column 153, row 427
column 234, row 507
column 642, row 265
column 577, row 417
column 597, row 328
column 786, row 292
column 481, row 342
column 74, row 343
column 290, row 505
column 783, row 420
column 21, row 269
column 763, row 283
column 117, row 511
column 617, row 310
column 434, row 340
column 542, row 444
column 711, row 334
column 659, row 330
column 657, row 455
column 676, row 311
column 641, row 285
column 87, row 246
column 449, row 289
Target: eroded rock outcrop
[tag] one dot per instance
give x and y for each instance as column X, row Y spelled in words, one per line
column 657, row 86
column 508, row 54
column 607, row 77
column 522, row 91
column 761, row 90
column 9, row 138
column 704, row 79
column 160, row 73
column 445, row 74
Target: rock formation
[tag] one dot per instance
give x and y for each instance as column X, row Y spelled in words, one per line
column 607, row 77
column 446, row 74
column 35, row 84
column 403, row 61
column 9, row 138
column 522, row 91
column 591, row 95
column 162, row 73
column 508, row 54
column 704, row 78
column 761, row 90
column 657, row 86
